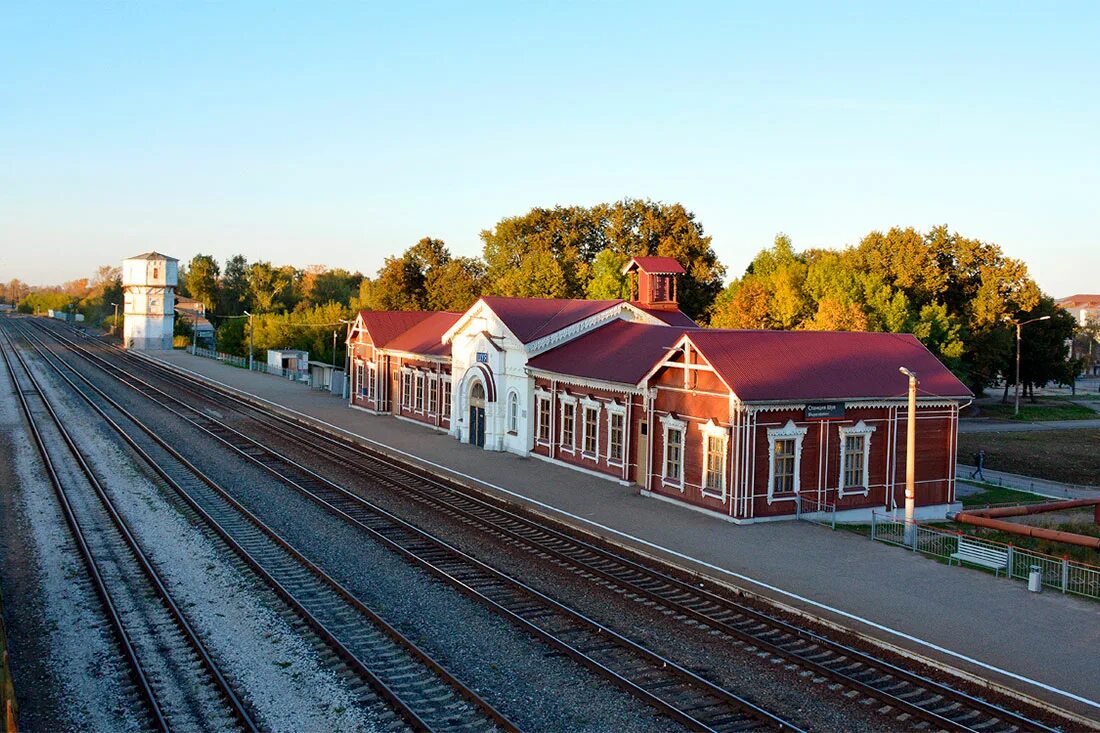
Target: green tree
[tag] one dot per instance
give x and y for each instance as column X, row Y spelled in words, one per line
column 265, row 286
column 202, row 280
column 538, row 275
column 233, row 290
column 454, row 285
column 608, row 281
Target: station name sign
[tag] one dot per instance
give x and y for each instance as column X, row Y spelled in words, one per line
column 825, row 410
column 483, row 357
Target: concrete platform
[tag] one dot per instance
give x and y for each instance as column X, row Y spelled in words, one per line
column 1042, row 645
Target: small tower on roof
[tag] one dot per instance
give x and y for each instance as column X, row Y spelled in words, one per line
column 149, row 291
column 653, row 281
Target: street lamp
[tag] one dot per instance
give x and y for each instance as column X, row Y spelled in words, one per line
column 347, row 358
column 249, row 340
column 1019, row 336
column 910, row 459
column 114, row 325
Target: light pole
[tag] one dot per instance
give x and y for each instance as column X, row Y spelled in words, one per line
column 1019, row 336
column 910, row 459
column 114, row 325
column 347, row 358
column 249, row 340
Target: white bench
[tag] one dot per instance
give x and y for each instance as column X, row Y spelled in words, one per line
column 978, row 554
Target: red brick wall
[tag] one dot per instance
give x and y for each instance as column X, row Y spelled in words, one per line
column 407, row 408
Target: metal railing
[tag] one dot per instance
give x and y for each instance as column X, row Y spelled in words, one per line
column 257, row 366
column 809, row 509
column 1059, row 573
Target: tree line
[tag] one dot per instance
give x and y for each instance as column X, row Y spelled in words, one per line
column 958, row 295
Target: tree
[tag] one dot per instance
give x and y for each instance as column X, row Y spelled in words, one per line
column 455, row 285
column 202, row 280
column 1044, row 352
column 608, row 281
column 837, row 315
column 744, row 304
column 573, row 236
column 233, row 289
column 424, row 277
column 538, row 275
column 265, row 285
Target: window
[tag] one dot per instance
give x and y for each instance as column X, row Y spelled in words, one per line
column 543, row 408
column 372, row 381
column 360, row 375
column 784, row 459
column 591, row 436
column 783, row 480
column 156, row 272
column 433, row 396
column 715, row 444
column 855, row 456
column 420, row 392
column 568, row 414
column 513, row 413
column 406, row 389
column 674, row 454
column 616, row 421
column 447, row 396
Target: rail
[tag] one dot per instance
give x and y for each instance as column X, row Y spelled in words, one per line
column 9, row 710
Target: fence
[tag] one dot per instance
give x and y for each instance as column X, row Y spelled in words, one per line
column 810, row 509
column 1068, row 576
column 257, row 366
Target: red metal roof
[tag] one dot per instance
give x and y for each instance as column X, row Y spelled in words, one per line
column 385, row 326
column 674, row 317
column 532, row 318
column 1080, row 299
column 621, row 351
column 766, row 366
column 656, row 265
column 426, row 337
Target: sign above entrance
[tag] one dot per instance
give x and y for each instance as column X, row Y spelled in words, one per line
column 483, row 357
column 825, row 411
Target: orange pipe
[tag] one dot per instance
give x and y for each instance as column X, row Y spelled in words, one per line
column 1070, row 538
column 1018, row 511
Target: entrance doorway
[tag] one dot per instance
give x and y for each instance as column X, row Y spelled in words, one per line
column 477, row 415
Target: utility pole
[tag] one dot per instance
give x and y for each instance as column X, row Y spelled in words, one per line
column 1019, row 338
column 249, row 340
column 911, row 460
column 114, row 325
column 346, row 390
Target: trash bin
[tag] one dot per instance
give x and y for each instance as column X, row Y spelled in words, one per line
column 1035, row 579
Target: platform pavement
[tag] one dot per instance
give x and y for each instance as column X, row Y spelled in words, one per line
column 1044, row 645
column 1043, row 487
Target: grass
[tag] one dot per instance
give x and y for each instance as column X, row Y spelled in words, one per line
column 1069, row 456
column 999, row 495
column 1045, row 410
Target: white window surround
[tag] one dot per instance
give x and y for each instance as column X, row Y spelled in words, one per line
column 372, row 381
column 431, row 400
column 711, row 429
column 568, row 400
column 513, row 411
column 671, row 423
column 542, row 406
column 614, row 408
column 861, row 429
column 586, row 405
column 790, row 431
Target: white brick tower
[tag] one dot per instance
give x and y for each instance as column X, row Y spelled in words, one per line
column 149, row 284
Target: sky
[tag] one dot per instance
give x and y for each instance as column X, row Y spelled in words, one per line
column 338, row 133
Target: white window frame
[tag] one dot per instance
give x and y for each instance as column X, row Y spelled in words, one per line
column 670, row 423
column 447, row 396
column 418, row 399
column 360, row 379
column 513, row 412
column 542, row 407
column 372, row 382
column 595, row 405
column 860, row 429
column 406, row 388
column 613, row 411
column 432, row 399
column 711, row 429
column 790, row 431
column 570, row 402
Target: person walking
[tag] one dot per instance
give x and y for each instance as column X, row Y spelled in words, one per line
column 979, row 464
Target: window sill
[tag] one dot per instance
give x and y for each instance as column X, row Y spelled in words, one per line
column 511, row 432
column 591, row 456
column 678, row 485
column 711, row 494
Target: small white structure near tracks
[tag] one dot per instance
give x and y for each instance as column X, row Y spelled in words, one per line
column 149, row 285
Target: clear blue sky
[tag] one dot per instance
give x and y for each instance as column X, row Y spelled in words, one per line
column 337, row 133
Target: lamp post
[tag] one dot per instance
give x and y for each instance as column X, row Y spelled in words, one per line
column 114, row 324
column 910, row 459
column 249, row 340
column 1019, row 337
column 347, row 358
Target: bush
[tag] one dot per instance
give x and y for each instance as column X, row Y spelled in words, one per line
column 181, row 342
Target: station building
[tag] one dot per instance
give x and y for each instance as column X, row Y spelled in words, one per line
column 746, row 425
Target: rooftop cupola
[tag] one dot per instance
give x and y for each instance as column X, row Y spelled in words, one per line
column 653, row 281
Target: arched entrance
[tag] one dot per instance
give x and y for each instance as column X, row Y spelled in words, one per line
column 477, row 414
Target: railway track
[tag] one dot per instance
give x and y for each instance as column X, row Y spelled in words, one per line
column 179, row 683
column 902, row 693
column 423, row 695
column 672, row 689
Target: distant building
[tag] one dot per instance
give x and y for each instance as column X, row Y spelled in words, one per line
column 194, row 313
column 745, row 425
column 149, row 292
column 1085, row 309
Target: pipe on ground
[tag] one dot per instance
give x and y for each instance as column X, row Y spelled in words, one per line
column 1070, row 538
column 1050, row 506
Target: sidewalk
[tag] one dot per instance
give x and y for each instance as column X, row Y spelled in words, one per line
column 1041, row 486
column 1044, row 645
column 994, row 425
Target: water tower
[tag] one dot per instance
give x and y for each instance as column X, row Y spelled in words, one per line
column 149, row 286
